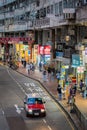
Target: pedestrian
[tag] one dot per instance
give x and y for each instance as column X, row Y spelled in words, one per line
column 58, row 76
column 44, row 75
column 40, row 66
column 49, row 72
column 22, row 60
column 59, row 90
column 74, row 89
column 33, row 67
column 64, row 93
column 24, row 63
column 81, row 85
column 28, row 68
column 72, row 101
column 70, row 94
column 84, row 91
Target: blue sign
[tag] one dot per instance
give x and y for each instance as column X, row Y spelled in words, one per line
column 29, row 52
column 59, row 54
column 75, row 60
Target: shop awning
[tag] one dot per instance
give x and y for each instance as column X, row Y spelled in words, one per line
column 6, row 40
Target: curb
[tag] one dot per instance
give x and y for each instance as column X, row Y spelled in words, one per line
column 61, row 106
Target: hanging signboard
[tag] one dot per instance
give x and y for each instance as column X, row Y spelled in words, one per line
column 75, row 60
column 80, row 69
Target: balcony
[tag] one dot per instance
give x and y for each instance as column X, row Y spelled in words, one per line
column 19, row 11
column 69, row 13
column 42, row 23
column 2, row 16
column 48, row 22
column 9, row 15
column 2, row 3
column 17, row 27
column 1, row 28
column 7, row 2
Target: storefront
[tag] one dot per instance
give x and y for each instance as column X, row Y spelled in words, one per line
column 22, row 51
column 44, row 54
column 79, row 68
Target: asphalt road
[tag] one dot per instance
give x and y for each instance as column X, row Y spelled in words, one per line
column 13, row 87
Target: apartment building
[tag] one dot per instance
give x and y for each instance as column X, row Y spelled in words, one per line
column 40, row 22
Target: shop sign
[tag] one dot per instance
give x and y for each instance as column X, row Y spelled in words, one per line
column 75, row 60
column 59, row 54
column 44, row 50
column 41, row 50
column 73, row 79
column 62, row 71
column 66, row 61
column 80, row 69
column 35, row 49
column 47, row 49
column 29, row 52
column 15, row 39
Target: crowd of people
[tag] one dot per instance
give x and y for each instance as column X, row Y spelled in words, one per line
column 48, row 73
column 30, row 68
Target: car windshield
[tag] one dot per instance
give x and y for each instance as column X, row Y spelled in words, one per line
column 35, row 101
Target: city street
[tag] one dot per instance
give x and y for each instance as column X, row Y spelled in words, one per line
column 13, row 88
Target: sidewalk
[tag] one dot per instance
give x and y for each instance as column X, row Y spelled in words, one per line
column 51, row 87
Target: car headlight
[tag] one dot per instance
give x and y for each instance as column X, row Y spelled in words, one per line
column 30, row 110
column 42, row 110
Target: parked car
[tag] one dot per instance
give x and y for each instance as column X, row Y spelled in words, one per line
column 34, row 106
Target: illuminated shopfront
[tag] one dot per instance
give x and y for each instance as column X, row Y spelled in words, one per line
column 44, row 53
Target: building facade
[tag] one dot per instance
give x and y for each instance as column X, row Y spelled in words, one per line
column 56, row 26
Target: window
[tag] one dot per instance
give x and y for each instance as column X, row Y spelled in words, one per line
column 64, row 3
column 69, row 3
column 51, row 9
column 34, row 101
column 48, row 10
column 60, row 8
column 38, row 3
column 56, row 9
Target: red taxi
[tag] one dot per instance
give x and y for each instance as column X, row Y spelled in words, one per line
column 34, row 106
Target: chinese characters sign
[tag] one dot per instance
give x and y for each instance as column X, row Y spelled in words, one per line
column 44, row 50
column 75, row 60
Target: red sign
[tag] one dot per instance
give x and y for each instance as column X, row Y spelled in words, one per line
column 40, row 50
column 44, row 50
column 73, row 79
column 47, row 49
column 5, row 40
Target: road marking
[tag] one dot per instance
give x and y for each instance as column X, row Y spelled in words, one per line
column 3, row 112
column 44, row 121
column 17, row 109
column 32, row 87
column 49, row 127
column 17, row 83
